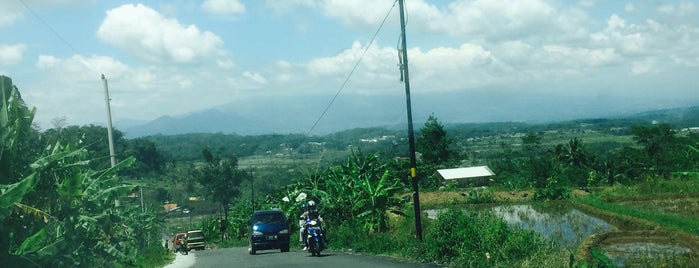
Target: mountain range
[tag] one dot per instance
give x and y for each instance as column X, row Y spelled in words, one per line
column 322, row 114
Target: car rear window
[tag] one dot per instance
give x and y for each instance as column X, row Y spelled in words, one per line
column 272, row 217
column 195, row 235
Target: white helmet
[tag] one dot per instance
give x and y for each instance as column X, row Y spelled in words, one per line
column 311, row 203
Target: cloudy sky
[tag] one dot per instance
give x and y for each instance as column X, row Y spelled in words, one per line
column 174, row 56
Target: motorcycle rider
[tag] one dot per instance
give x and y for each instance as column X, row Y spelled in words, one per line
column 182, row 245
column 308, row 211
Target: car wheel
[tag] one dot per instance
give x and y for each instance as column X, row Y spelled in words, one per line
column 285, row 248
column 252, row 251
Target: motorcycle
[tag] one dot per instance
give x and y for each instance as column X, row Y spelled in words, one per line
column 315, row 238
column 182, row 246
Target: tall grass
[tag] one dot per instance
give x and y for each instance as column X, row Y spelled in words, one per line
column 455, row 239
column 653, row 187
column 156, row 256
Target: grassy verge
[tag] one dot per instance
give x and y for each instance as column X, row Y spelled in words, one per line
column 454, row 239
column 665, row 221
column 625, row 200
column 155, row 257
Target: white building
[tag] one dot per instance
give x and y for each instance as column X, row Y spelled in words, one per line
column 468, row 176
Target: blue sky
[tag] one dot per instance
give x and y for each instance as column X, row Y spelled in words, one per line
column 174, row 57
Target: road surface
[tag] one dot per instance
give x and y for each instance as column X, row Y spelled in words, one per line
column 239, row 257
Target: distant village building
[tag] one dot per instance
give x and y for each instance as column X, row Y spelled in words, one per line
column 170, row 207
column 468, row 176
column 690, row 129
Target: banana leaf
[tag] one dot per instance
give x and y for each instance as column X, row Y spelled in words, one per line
column 14, row 193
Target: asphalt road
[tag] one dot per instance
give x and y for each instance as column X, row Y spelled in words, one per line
column 239, row 257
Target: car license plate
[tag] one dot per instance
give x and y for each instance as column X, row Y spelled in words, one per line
column 271, row 237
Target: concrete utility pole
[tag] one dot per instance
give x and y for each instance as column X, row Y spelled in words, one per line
column 112, row 156
column 411, row 135
column 109, row 122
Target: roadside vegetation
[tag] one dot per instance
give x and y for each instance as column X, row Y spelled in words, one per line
column 63, row 203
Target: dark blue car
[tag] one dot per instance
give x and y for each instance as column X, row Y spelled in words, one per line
column 269, row 229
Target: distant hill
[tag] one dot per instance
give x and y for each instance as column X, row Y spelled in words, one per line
column 302, row 115
column 188, row 146
column 678, row 117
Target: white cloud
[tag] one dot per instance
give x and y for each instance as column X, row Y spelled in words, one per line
column 338, row 64
column 498, row 19
column 11, row 54
column 81, row 69
column 682, row 9
column 445, row 68
column 288, row 6
column 10, row 12
column 225, row 64
column 254, row 76
column 372, row 69
column 223, row 7
column 72, row 87
column 144, row 33
column 586, row 3
column 582, row 58
column 444, row 59
column 643, row 67
column 360, row 13
column 650, row 47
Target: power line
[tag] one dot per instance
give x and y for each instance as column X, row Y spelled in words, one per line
column 344, row 83
column 56, row 34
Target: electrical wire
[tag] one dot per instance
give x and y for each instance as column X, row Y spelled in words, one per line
column 57, row 35
column 344, row 83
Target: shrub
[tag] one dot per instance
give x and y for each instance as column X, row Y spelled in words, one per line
column 476, row 240
column 552, row 191
column 480, row 196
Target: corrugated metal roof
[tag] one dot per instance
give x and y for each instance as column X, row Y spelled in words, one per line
column 467, row 172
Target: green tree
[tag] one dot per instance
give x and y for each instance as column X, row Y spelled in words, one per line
column 655, row 139
column 221, row 178
column 574, row 162
column 435, row 149
column 434, row 145
column 659, row 143
column 149, row 159
column 536, row 167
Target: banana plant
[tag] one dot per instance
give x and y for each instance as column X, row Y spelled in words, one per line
column 56, row 211
column 83, row 220
column 379, row 199
column 364, row 191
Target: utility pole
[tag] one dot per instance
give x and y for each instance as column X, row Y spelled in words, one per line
column 252, row 190
column 411, row 135
column 109, row 131
column 109, row 122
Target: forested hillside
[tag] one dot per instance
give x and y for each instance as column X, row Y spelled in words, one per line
column 604, row 133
